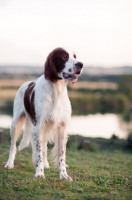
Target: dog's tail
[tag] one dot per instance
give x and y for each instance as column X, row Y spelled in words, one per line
column 26, row 139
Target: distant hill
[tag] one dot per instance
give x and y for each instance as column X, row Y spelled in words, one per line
column 87, row 70
column 107, row 71
column 21, row 70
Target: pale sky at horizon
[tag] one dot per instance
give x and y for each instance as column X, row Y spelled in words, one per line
column 99, row 31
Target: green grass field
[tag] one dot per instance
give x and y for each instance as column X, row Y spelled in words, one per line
column 104, row 171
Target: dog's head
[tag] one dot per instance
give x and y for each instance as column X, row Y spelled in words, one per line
column 61, row 63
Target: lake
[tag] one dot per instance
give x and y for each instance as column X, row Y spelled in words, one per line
column 96, row 125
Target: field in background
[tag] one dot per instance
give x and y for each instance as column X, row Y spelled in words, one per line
column 94, row 85
column 10, row 82
column 98, row 90
column 9, row 87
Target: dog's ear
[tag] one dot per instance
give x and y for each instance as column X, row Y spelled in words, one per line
column 50, row 69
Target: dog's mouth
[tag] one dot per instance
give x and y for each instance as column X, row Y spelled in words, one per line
column 71, row 76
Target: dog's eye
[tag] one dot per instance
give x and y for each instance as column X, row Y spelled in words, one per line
column 66, row 56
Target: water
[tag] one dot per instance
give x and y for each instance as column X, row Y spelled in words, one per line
column 5, row 121
column 97, row 125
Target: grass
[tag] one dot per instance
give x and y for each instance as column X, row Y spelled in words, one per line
column 103, row 173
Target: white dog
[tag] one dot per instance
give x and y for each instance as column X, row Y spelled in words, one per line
column 45, row 107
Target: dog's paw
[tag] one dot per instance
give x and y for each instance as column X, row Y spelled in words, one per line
column 9, row 165
column 39, row 175
column 65, row 177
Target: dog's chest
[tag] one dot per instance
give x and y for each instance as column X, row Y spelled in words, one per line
column 60, row 107
column 53, row 104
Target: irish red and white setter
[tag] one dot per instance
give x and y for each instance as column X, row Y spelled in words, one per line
column 45, row 108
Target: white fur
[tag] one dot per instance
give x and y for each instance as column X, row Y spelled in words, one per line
column 53, row 112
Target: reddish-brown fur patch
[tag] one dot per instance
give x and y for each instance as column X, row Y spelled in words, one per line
column 55, row 63
column 29, row 102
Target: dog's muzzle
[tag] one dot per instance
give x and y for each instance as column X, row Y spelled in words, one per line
column 79, row 65
column 77, row 71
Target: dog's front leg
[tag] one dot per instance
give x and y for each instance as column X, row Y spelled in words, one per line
column 38, row 159
column 62, row 151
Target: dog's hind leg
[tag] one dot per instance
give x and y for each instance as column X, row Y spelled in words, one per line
column 15, row 132
column 46, row 163
column 26, row 135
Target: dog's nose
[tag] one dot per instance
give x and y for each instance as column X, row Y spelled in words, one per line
column 79, row 64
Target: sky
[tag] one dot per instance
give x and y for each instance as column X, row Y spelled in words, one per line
column 99, row 31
